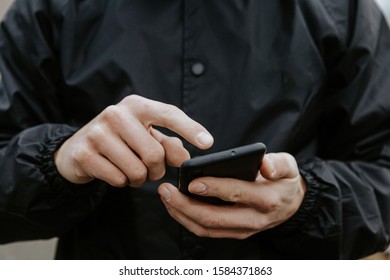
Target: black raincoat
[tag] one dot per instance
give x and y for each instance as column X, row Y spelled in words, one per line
column 307, row 77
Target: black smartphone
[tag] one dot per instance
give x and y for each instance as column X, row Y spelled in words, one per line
column 241, row 163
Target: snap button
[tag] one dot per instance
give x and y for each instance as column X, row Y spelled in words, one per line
column 197, row 69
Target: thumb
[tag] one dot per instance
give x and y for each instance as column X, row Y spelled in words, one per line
column 277, row 166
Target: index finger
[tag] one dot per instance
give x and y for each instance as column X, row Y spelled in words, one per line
column 151, row 112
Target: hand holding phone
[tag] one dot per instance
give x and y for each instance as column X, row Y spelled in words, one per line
column 273, row 198
column 241, row 163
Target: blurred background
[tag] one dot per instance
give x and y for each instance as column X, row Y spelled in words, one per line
column 3, row 6
column 45, row 249
column 385, row 5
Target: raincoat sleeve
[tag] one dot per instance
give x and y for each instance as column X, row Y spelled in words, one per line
column 35, row 202
column 346, row 211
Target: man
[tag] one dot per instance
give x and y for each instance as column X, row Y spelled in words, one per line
column 101, row 100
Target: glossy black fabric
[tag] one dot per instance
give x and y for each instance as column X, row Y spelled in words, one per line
column 307, row 77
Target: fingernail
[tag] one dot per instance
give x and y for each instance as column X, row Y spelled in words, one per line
column 205, row 138
column 198, row 188
column 165, row 193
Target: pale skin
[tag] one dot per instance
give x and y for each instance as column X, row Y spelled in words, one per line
column 121, row 147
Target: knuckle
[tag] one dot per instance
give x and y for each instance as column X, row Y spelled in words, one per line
column 211, row 222
column 111, row 114
column 132, row 98
column 170, row 111
column 83, row 159
column 129, row 100
column 269, row 205
column 119, row 181
column 139, row 174
column 95, row 134
column 274, row 203
column 272, row 206
column 175, row 141
column 82, row 156
column 154, row 157
column 139, row 106
column 236, row 195
column 135, row 101
column 174, row 144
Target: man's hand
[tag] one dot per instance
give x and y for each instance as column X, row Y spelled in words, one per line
column 121, row 147
column 269, row 201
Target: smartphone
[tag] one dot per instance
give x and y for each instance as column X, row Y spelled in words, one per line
column 241, row 163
